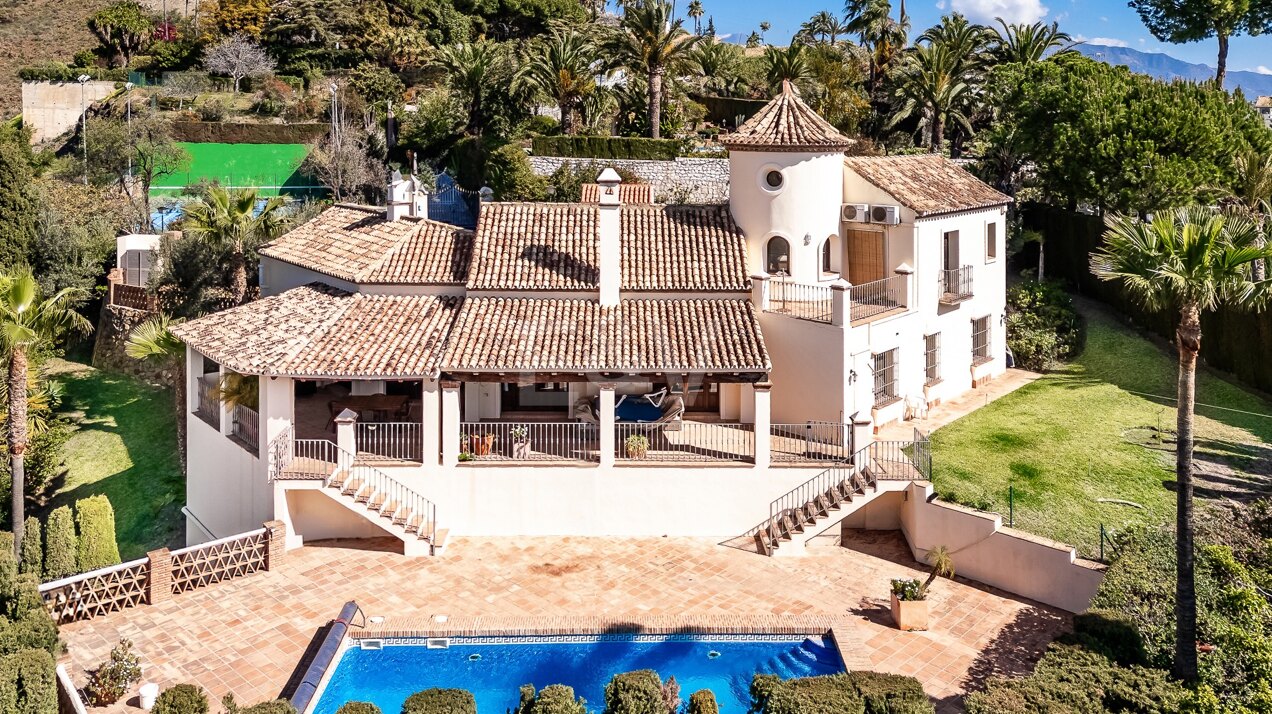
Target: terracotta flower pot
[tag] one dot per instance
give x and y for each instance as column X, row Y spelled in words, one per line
column 483, row 444
column 910, row 615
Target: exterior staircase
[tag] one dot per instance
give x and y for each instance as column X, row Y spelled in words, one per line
column 362, row 488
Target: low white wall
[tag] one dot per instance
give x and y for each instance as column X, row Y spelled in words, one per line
column 985, row 551
column 50, row 108
column 700, row 180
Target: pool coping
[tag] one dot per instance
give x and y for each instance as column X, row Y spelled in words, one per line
column 439, row 625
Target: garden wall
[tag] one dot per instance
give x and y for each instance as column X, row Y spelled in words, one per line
column 51, row 108
column 1230, row 337
column 985, row 551
column 676, row 181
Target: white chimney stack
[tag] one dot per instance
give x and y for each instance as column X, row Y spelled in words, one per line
column 400, row 203
column 608, row 230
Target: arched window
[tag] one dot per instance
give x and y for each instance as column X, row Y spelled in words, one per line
column 778, row 256
column 830, row 255
column 826, row 256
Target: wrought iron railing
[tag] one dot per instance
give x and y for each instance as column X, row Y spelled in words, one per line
column 877, row 297
column 956, row 283
column 528, row 441
column 802, row 300
column 692, row 441
column 400, row 440
column 812, row 441
column 208, row 407
column 245, row 427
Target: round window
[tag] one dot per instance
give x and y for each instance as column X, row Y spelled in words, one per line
column 774, row 179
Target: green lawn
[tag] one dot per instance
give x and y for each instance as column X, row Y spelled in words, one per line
column 1062, row 442
column 125, row 446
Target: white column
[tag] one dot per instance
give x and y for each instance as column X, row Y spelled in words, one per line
column 908, row 297
column 430, row 417
column 193, row 370
column 607, row 424
column 227, row 412
column 346, row 431
column 841, row 303
column 450, row 423
column 760, row 292
column 763, row 432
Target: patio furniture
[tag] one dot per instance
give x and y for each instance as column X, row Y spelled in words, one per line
column 380, row 406
column 635, row 409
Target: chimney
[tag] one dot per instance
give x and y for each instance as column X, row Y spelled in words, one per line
column 399, row 198
column 608, row 229
column 419, row 198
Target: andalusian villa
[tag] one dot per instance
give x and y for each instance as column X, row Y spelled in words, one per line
column 611, row 367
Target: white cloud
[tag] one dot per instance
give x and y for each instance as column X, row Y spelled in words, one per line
column 1107, row 42
column 1263, row 69
column 1009, row 10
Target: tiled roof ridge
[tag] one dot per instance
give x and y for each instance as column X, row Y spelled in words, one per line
column 991, row 196
column 364, row 276
column 786, row 122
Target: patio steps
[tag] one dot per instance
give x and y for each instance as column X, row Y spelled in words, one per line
column 790, row 530
column 359, row 495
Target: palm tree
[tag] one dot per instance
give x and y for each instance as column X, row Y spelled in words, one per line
column 872, row 22
column 788, row 65
column 29, row 320
column 764, row 27
column 942, row 565
column 1192, row 259
column 818, row 27
column 1251, row 193
column 475, row 70
column 696, row 12
column 650, row 43
column 717, row 62
column 562, row 66
column 231, row 221
column 753, row 40
column 1025, row 43
column 153, row 341
column 931, row 84
column 237, row 389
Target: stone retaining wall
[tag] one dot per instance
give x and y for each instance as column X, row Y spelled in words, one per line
column 679, row 181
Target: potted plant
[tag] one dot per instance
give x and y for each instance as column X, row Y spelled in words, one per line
column 637, row 446
column 909, row 604
column 520, row 441
column 483, row 444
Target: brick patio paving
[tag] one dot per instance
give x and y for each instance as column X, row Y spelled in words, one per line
column 246, row 636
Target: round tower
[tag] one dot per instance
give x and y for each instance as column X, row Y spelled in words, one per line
column 786, row 178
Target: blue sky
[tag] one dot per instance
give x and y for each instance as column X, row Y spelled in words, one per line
column 1110, row 22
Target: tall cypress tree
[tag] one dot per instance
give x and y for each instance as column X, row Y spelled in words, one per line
column 17, row 201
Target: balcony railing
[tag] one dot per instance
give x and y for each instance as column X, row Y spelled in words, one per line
column 208, row 406
column 956, row 285
column 802, row 300
column 877, row 297
column 397, row 440
column 245, row 427
column 810, row 442
column 693, row 441
column 528, row 441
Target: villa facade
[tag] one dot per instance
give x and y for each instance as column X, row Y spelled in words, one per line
column 612, row 367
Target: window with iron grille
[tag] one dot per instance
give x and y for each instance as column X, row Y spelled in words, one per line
column 885, row 377
column 980, row 339
column 932, row 358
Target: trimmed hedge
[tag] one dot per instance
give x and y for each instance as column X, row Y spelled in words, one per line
column 32, row 548
column 209, row 132
column 725, row 110
column 703, row 701
column 358, row 708
column 553, row 699
column 440, row 701
column 183, row 699
column 95, row 520
column 638, row 692
column 59, row 544
column 847, row 693
column 278, row 706
column 61, row 72
column 607, row 147
column 28, row 683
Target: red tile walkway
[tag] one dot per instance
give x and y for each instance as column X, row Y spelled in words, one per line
column 246, row 636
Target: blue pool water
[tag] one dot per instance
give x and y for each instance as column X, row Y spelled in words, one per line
column 493, row 669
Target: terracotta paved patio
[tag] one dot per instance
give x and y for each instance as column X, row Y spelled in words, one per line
column 246, row 636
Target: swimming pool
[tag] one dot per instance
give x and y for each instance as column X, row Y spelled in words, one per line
column 494, row 668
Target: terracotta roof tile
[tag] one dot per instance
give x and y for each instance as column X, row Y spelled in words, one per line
column 545, row 335
column 319, row 331
column 357, row 244
column 927, row 184
column 554, row 246
column 627, row 193
column 787, row 124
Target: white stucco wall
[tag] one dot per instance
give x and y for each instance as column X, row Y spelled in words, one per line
column 806, row 204
column 51, row 108
column 225, row 484
column 808, row 369
column 277, row 276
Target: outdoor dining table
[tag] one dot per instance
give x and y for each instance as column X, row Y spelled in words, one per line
column 380, row 405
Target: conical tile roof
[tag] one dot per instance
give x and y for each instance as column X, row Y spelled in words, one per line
column 786, row 124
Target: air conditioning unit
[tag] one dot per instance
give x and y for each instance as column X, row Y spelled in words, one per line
column 855, row 213
column 887, row 215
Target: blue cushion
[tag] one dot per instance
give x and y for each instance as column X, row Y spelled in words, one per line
column 633, row 410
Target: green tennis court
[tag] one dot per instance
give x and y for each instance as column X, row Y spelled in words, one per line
column 272, row 168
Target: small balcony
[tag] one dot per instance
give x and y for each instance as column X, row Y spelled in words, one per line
column 956, row 285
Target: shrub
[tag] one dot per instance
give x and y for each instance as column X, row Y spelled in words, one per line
column 59, row 544
column 703, row 701
column 31, row 630
column 60, row 72
column 277, row 706
column 28, row 683
column 833, row 694
column 553, row 699
column 1112, row 634
column 890, row 693
column 213, row 110
column 358, row 708
column 542, row 125
column 186, row 699
column 509, row 174
column 638, row 692
column 95, row 520
column 32, row 548
column 440, row 701
column 567, row 181
column 1043, row 328
column 607, row 147
column 848, row 693
column 112, row 680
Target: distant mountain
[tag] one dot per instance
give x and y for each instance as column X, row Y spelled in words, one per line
column 1164, row 66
